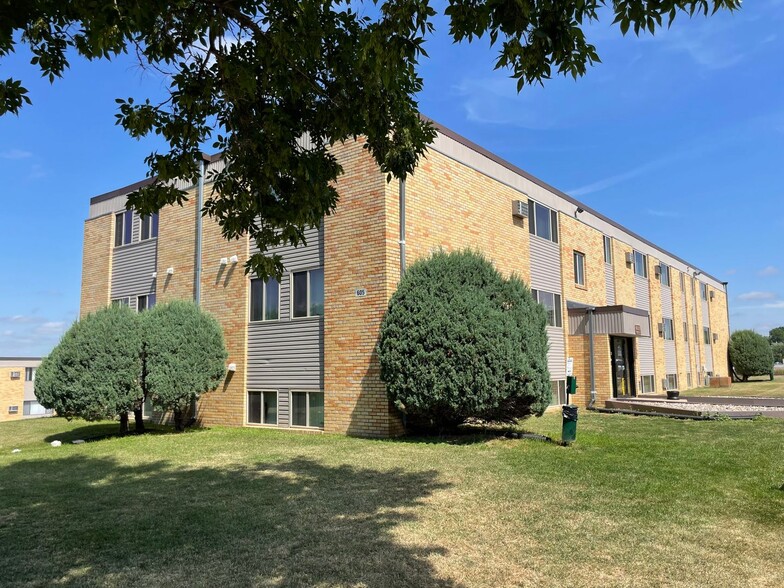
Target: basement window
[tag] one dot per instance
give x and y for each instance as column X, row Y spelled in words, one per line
column 263, row 408
column 671, row 382
column 559, row 392
column 307, row 409
column 647, row 385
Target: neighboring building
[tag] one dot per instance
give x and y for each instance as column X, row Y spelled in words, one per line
column 17, row 389
column 304, row 347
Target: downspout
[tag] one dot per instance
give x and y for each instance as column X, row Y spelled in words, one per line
column 197, row 264
column 199, row 205
column 592, row 402
column 402, row 241
column 730, row 369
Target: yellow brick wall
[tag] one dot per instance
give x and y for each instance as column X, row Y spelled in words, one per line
column 97, row 263
column 11, row 393
column 224, row 294
column 624, row 275
column 719, row 324
column 177, row 249
column 654, row 288
column 579, row 350
column 678, row 318
column 355, row 243
column 577, row 236
column 453, row 207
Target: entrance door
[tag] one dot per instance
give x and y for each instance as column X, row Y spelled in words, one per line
column 622, row 357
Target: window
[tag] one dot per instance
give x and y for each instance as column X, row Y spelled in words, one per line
column 16, row 375
column 647, row 385
column 688, row 379
column 264, row 299
column 145, row 302
column 579, row 268
column 123, row 228
column 148, row 409
column 696, row 334
column 29, row 374
column 307, row 409
column 671, row 382
column 704, row 291
column 685, row 332
column 13, row 409
column 683, row 287
column 607, row 249
column 543, row 222
column 263, row 408
column 667, row 331
column 559, row 392
column 706, row 335
column 150, row 226
column 308, row 293
column 552, row 304
column 640, row 264
column 665, row 274
column 126, row 301
column 33, row 408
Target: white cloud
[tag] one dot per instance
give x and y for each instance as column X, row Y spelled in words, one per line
column 757, row 296
column 779, row 304
column 14, row 154
column 768, row 271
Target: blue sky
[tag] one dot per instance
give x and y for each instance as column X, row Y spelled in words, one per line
column 679, row 136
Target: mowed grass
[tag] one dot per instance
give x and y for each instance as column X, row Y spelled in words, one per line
column 761, row 386
column 637, row 501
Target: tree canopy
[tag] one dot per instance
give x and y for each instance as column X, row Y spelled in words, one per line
column 750, row 354
column 776, row 335
column 184, row 356
column 459, row 341
column 252, row 78
column 93, row 373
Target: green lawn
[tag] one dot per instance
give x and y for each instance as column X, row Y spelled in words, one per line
column 637, row 501
column 760, row 386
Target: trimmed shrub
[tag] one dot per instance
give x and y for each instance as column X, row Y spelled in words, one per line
column 93, row 373
column 184, row 356
column 459, row 341
column 750, row 354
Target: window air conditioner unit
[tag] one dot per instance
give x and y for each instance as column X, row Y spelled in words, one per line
column 715, row 338
column 629, row 257
column 520, row 208
column 711, row 294
column 661, row 329
column 657, row 270
column 16, row 375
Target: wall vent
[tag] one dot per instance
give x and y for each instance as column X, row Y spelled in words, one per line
column 520, row 208
column 715, row 338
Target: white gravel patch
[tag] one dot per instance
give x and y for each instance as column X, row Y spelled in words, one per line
column 700, row 407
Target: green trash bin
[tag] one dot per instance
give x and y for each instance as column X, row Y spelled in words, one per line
column 569, row 426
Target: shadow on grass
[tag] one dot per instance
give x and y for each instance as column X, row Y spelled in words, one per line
column 95, row 521
column 100, row 431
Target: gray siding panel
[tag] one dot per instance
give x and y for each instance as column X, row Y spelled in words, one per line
column 556, row 353
column 642, row 294
column 670, row 358
column 283, row 408
column 609, row 283
column 666, row 302
column 708, row 357
column 302, row 257
column 645, row 356
column 706, row 323
column 545, row 265
column 132, row 268
column 286, row 354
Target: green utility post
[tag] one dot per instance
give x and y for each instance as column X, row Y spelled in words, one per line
column 569, row 425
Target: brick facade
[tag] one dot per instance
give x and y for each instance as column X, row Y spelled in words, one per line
column 11, row 393
column 96, row 263
column 450, row 205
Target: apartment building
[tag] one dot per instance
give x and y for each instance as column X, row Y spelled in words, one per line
column 303, row 347
column 17, row 389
